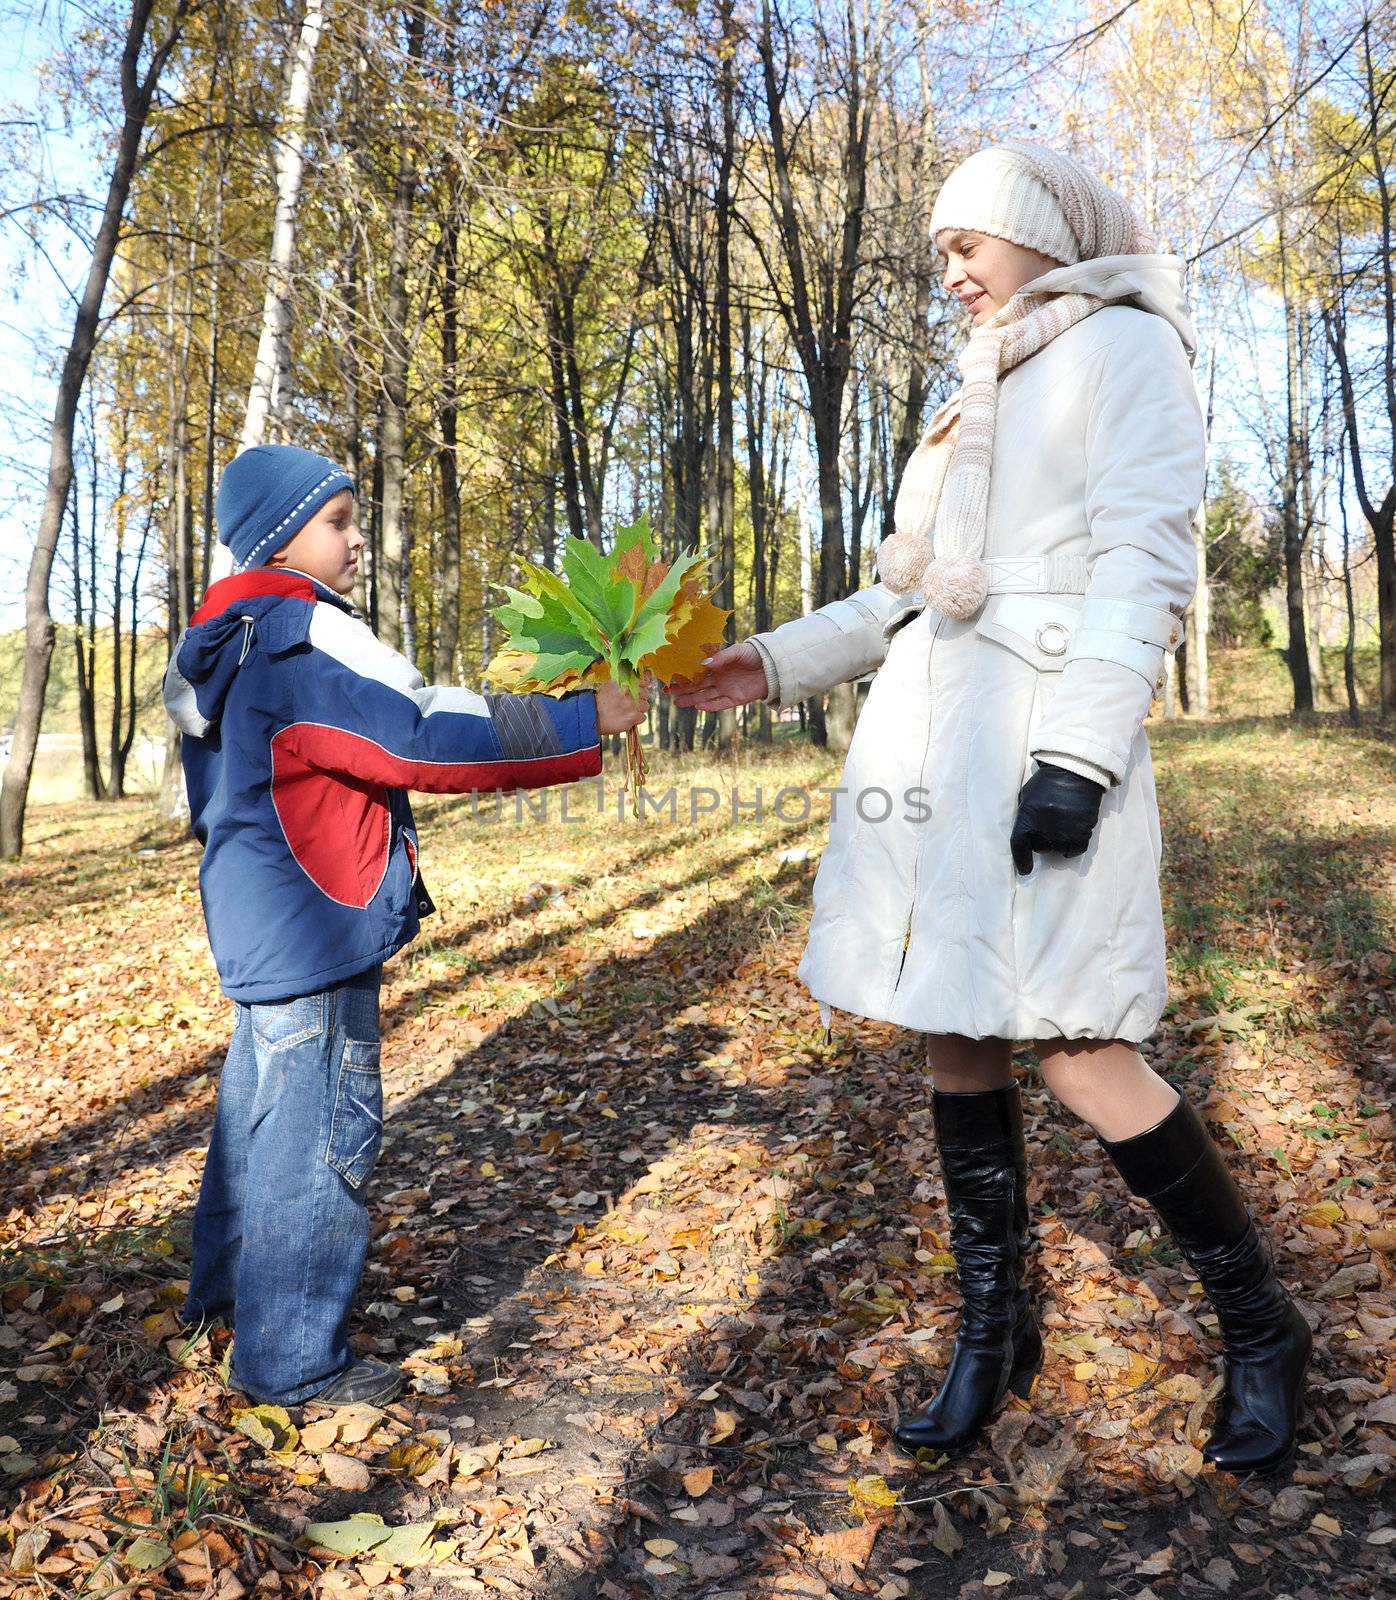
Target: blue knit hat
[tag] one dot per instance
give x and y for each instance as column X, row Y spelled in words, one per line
column 268, row 494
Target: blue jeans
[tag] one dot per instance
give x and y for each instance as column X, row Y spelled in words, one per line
column 281, row 1229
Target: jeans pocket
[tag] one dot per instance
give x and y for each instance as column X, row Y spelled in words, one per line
column 356, row 1128
column 283, row 1024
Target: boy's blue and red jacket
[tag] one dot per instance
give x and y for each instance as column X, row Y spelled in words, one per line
column 301, row 732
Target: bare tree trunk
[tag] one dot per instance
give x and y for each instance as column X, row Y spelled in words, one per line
column 726, row 472
column 114, row 776
column 85, row 643
column 173, row 803
column 1350, row 637
column 1199, row 631
column 269, row 392
column 177, row 406
column 448, row 580
column 918, row 386
column 395, row 598
column 754, row 393
column 1380, row 514
column 822, row 333
column 266, row 400
column 124, row 699
column 136, row 94
column 1380, row 517
column 211, row 379
column 1313, row 617
column 1297, row 653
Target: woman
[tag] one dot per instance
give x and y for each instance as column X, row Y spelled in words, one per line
column 1042, row 560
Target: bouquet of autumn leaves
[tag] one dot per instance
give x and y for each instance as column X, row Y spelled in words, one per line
column 619, row 615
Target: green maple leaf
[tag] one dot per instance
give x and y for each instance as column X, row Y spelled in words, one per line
column 638, row 533
column 548, row 605
column 592, row 610
column 595, row 581
column 550, row 628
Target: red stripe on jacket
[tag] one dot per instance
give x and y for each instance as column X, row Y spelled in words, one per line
column 328, row 787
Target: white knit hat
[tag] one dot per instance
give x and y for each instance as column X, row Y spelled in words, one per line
column 1038, row 198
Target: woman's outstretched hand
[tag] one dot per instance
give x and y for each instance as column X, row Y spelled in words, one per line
column 733, row 677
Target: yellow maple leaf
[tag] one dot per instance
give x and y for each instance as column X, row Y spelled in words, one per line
column 269, row 1426
column 870, row 1494
column 411, row 1459
column 512, row 669
column 587, row 678
column 694, row 632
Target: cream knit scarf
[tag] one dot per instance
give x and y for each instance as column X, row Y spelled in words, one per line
column 943, row 503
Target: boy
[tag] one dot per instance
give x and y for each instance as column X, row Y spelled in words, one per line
column 301, row 733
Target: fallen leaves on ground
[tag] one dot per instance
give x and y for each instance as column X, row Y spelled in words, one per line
column 661, row 1265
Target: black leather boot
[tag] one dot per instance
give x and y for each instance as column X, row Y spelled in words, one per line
column 998, row 1347
column 1265, row 1340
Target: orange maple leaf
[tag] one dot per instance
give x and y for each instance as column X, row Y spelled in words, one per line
column 694, row 633
column 631, row 563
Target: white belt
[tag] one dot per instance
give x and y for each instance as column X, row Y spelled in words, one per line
column 1037, row 574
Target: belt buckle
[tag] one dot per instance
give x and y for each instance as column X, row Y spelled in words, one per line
column 1052, row 638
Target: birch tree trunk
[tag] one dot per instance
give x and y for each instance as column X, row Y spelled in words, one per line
column 1200, row 612
column 1291, row 487
column 395, row 620
column 448, row 630
column 137, row 91
column 269, row 391
column 1200, row 624
column 266, row 400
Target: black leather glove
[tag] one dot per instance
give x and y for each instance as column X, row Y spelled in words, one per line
column 1057, row 814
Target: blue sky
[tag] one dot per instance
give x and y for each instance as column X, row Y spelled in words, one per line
column 35, row 307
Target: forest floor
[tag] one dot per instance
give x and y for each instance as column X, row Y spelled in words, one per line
column 663, row 1263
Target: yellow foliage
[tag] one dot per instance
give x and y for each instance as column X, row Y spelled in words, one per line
column 868, row 1495
column 695, row 631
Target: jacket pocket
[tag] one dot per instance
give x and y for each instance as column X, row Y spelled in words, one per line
column 356, row 1128
column 283, row 1024
column 1035, row 627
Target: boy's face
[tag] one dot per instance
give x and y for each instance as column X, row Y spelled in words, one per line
column 327, row 547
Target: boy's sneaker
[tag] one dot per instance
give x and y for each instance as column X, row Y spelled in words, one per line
column 362, row 1383
column 365, row 1382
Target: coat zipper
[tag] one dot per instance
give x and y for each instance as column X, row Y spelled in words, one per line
column 925, row 758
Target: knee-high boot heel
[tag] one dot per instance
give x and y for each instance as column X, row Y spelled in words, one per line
column 1266, row 1342
column 998, row 1347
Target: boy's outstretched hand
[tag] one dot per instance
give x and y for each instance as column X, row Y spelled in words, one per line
column 618, row 712
column 733, row 677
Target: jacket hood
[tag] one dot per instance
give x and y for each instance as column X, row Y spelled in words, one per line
column 1153, row 283
column 268, row 608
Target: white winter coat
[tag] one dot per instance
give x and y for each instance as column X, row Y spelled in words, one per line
column 919, row 917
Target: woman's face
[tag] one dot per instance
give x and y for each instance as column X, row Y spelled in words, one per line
column 984, row 272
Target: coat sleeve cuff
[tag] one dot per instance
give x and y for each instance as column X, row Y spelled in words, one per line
column 768, row 663
column 1091, row 751
column 1082, row 768
column 841, row 641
